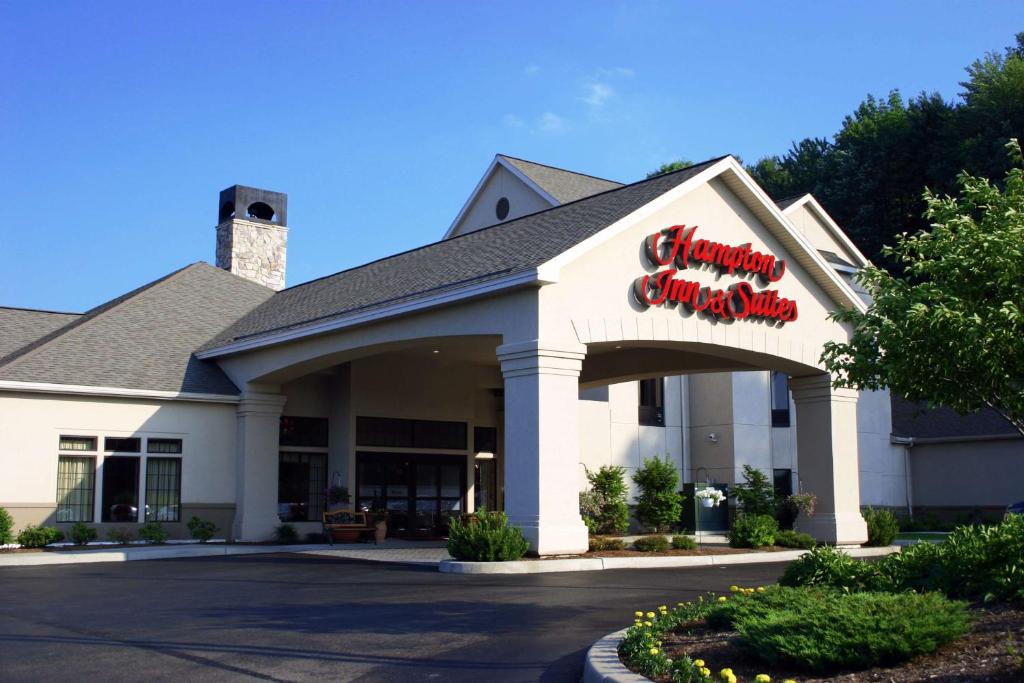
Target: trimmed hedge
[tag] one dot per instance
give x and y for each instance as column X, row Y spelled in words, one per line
column 684, row 543
column 38, row 536
column 794, row 539
column 651, row 544
column 753, row 531
column 825, row 630
column 485, row 537
column 599, row 543
column 882, row 526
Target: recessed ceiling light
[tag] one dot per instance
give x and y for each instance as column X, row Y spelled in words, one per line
column 436, row 351
column 618, row 347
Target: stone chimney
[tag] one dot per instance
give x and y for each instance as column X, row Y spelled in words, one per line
column 252, row 234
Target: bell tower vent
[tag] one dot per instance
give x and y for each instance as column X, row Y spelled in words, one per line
column 252, row 234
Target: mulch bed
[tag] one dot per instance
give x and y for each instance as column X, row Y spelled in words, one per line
column 709, row 550
column 981, row 655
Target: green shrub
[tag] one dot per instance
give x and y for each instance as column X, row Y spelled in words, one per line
column 981, row 561
column 485, row 537
column 794, row 539
column 120, row 535
column 651, row 544
column 607, row 511
column 81, row 533
column 38, row 536
column 756, row 495
column 827, row 567
column 882, row 526
column 753, row 531
column 202, row 530
column 286, row 534
column 684, row 543
column 659, row 504
column 823, row 630
column 6, row 527
column 153, row 532
column 599, row 543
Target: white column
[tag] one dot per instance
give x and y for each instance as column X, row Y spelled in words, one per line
column 542, row 444
column 826, row 445
column 256, row 462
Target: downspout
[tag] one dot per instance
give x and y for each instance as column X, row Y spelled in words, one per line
column 907, row 442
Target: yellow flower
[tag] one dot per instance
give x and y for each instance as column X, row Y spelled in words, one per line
column 698, row 663
column 734, row 588
column 763, row 678
column 663, row 608
column 722, row 599
column 654, row 650
column 650, row 615
column 648, row 624
column 680, row 604
column 638, row 614
column 705, row 672
column 726, row 674
column 760, row 589
column 789, row 680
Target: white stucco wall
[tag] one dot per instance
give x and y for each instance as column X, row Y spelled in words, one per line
column 31, row 425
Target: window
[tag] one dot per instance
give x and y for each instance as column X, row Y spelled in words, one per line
column 120, row 489
column 485, row 439
column 76, row 487
column 595, row 394
column 163, row 446
column 780, row 399
column 163, row 488
column 783, row 480
column 396, row 433
column 301, row 483
column 77, row 443
column 122, row 445
column 303, row 431
column 652, row 402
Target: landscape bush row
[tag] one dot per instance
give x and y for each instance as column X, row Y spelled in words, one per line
column 820, row 630
column 659, row 504
column 975, row 562
column 33, row 536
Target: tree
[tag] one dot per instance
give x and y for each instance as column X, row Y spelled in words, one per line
column 869, row 175
column 756, row 495
column 605, row 508
column 677, row 165
column 949, row 330
column 660, row 503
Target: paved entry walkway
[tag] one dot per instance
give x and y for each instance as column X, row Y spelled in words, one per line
column 393, row 550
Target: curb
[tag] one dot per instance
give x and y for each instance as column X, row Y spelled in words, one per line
column 603, row 666
column 147, row 553
column 602, row 563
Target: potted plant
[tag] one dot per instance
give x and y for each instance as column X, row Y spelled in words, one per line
column 709, row 497
column 380, row 526
column 337, row 497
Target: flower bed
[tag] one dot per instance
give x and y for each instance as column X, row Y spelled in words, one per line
column 779, row 634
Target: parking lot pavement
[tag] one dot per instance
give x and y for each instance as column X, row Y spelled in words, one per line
column 293, row 617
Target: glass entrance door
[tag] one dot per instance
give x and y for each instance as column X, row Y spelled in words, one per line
column 420, row 492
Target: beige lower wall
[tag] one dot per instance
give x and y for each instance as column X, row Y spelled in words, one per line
column 967, row 474
column 221, row 514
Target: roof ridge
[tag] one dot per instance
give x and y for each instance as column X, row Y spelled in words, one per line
column 621, row 187
column 563, row 170
column 36, row 310
column 84, row 319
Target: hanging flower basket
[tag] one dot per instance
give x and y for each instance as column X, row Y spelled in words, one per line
column 710, row 497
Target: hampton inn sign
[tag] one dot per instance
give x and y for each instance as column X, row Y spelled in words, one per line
column 677, row 247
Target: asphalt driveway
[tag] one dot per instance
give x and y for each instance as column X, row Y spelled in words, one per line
column 306, row 618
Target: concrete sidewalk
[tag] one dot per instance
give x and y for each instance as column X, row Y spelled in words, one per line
column 407, row 552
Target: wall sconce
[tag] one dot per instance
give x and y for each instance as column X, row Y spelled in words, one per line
column 712, row 437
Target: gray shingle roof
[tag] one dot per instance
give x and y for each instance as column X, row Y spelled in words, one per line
column 914, row 419
column 786, row 202
column 509, row 248
column 565, row 186
column 22, row 326
column 144, row 339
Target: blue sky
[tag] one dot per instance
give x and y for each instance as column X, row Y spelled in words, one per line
column 120, row 122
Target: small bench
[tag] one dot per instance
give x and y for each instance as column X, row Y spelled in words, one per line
column 347, row 526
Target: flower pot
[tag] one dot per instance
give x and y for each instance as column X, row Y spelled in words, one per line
column 707, row 502
column 380, row 531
